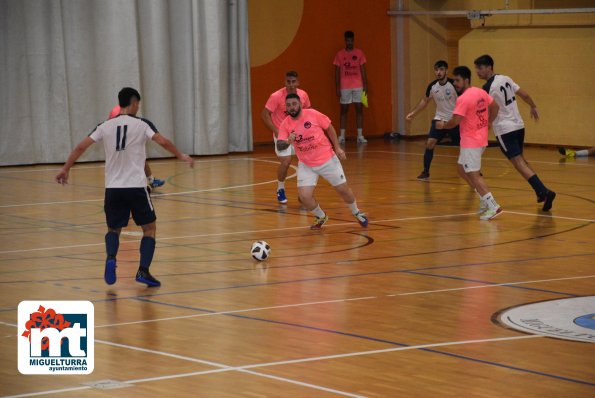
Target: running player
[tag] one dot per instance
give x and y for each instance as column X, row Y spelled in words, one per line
column 350, row 81
column 151, row 181
column 443, row 92
column 509, row 127
column 273, row 114
column 305, row 129
column 124, row 139
column 474, row 110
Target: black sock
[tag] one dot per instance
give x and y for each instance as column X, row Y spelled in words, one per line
column 147, row 249
column 428, row 155
column 537, row 185
column 112, row 243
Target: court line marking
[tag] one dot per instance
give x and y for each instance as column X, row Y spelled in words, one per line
column 482, row 158
column 280, row 229
column 162, row 194
column 340, row 301
column 220, row 368
column 269, row 364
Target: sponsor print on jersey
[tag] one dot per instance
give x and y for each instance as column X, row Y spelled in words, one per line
column 569, row 319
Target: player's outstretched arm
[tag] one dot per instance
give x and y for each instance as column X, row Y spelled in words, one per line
column 168, row 145
column 527, row 98
column 268, row 121
column 420, row 106
column 62, row 177
column 456, row 119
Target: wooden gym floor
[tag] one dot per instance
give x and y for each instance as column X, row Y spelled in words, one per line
column 401, row 309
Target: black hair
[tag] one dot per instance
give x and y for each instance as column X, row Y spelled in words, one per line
column 484, row 60
column 292, row 95
column 349, row 35
column 291, row 73
column 462, row 71
column 441, row 64
column 125, row 96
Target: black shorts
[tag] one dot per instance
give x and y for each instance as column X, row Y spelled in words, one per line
column 454, row 134
column 511, row 144
column 120, row 202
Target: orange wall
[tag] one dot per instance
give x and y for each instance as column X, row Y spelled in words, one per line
column 311, row 53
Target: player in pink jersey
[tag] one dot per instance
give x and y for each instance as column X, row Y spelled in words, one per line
column 307, row 131
column 474, row 111
column 152, row 181
column 273, row 114
column 350, row 82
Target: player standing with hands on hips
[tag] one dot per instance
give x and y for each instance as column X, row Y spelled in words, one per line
column 474, row 111
column 305, row 129
column 126, row 192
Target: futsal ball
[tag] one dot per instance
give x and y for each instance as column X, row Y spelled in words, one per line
column 260, row 250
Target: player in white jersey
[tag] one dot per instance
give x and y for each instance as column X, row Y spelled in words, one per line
column 126, row 191
column 509, row 127
column 444, row 94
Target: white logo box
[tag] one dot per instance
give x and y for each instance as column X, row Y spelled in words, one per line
column 77, row 358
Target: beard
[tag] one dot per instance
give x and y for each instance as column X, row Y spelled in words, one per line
column 294, row 113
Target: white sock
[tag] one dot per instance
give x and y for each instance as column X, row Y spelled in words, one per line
column 353, row 208
column 280, row 185
column 360, row 132
column 489, row 199
column 342, row 133
column 151, row 179
column 582, row 153
column 318, row 212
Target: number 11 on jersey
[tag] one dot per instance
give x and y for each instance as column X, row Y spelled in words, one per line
column 121, row 138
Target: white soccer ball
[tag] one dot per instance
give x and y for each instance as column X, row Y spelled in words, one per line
column 260, row 250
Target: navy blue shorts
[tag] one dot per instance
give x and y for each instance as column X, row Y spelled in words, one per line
column 511, row 144
column 454, row 134
column 121, row 202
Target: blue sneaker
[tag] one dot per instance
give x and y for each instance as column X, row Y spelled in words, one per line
column 281, row 196
column 110, row 271
column 143, row 276
column 157, row 183
column 362, row 219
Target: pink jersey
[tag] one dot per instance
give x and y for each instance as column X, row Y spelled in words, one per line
column 349, row 63
column 312, row 146
column 276, row 104
column 472, row 105
column 115, row 112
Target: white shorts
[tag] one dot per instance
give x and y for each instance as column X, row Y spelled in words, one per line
column 470, row 158
column 332, row 171
column 289, row 151
column 351, row 95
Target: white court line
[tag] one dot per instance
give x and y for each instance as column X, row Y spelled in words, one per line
column 157, row 195
column 102, row 165
column 482, row 158
column 231, row 233
column 340, row 301
column 549, row 216
column 277, row 230
column 493, row 285
column 237, row 311
column 246, row 368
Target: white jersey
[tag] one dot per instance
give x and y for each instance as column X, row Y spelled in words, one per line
column 502, row 89
column 445, row 97
column 124, row 139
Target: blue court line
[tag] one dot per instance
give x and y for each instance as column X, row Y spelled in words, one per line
column 358, row 336
column 489, row 283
